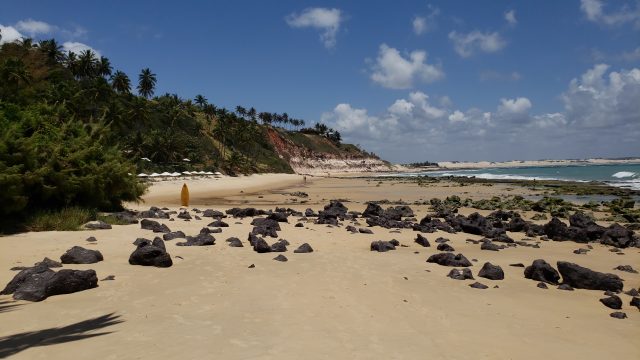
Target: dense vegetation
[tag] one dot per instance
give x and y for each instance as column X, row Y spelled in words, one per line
column 73, row 133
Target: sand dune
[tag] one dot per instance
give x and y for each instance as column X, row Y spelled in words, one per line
column 339, row 302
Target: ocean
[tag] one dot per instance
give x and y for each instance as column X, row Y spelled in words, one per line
column 620, row 175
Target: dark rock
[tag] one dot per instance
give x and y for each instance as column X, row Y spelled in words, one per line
column 461, row 274
column 540, row 270
column 372, row 210
column 583, row 278
column 128, row 217
column 97, row 225
column 184, row 215
column 310, row 213
column 635, row 301
column 557, row 230
column 38, row 283
column 247, row 212
column 618, row 236
column 265, row 227
column 633, row 292
column 612, row 302
column 351, row 229
column 48, row 263
column 394, row 242
column 197, row 217
column 581, row 251
column 491, row 272
column 388, row 224
column 91, row 239
column 565, row 287
column 80, row 255
column 445, row 247
column 542, row 285
column 173, row 235
column 488, row 245
column 281, row 258
column 234, row 242
column 365, row 231
column 147, row 254
column 618, row 315
column 517, row 224
column 517, row 265
column 477, row 285
column 421, row 240
column 397, row 212
column 218, row 223
column 159, row 243
column 202, row 239
column 503, row 238
column 382, row 246
column 448, row 259
column 279, row 217
column 304, row 248
column 441, row 240
column 626, row 268
column 279, row 246
column 154, row 226
column 154, row 213
column 334, row 209
column 109, row 278
column 213, row 214
column 299, row 225
column 260, row 245
column 139, row 241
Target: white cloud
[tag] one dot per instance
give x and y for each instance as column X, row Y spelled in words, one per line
column 34, row 27
column 601, row 118
column 594, row 10
column 392, row 70
column 631, row 56
column 424, row 24
column 597, row 100
column 419, row 25
column 457, row 116
column 510, row 16
column 327, row 20
column 9, row 34
column 516, row 106
column 78, row 47
column 467, row 44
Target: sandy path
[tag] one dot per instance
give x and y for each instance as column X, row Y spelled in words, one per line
column 340, row 302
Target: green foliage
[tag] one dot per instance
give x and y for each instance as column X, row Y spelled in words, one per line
column 65, row 219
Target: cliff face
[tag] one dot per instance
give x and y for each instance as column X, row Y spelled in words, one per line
column 313, row 154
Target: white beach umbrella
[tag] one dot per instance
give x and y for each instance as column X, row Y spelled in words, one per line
column 142, row 175
column 186, row 160
column 209, row 173
column 154, row 175
column 217, row 173
column 175, row 174
column 201, row 172
column 145, row 159
column 166, row 174
column 186, row 172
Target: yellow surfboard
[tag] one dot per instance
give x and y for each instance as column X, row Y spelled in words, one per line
column 184, row 196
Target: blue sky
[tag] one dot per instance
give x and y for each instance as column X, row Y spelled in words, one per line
column 409, row 80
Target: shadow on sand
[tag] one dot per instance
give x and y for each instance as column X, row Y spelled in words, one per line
column 6, row 306
column 13, row 344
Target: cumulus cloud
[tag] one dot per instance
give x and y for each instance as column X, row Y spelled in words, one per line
column 599, row 99
column 392, row 70
column 510, row 17
column 326, row 20
column 78, row 47
column 419, row 25
column 467, row 44
column 601, row 117
column 9, row 34
column 34, row 27
column 594, row 11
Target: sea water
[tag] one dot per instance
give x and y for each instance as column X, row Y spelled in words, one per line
column 620, row 175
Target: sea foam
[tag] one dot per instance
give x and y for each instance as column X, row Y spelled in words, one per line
column 623, row 174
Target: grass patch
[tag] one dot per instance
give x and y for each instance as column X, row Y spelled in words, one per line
column 67, row 219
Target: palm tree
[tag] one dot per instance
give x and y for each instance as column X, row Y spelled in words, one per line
column 252, row 113
column 146, row 83
column 241, row 111
column 14, row 72
column 87, row 64
column 120, row 82
column 201, row 101
column 52, row 50
column 103, row 67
